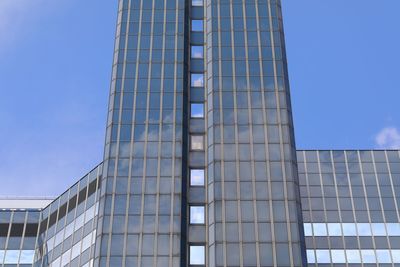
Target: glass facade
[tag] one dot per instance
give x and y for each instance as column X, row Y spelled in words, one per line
column 200, row 167
column 350, row 203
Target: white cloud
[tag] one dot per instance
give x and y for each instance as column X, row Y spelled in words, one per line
column 388, row 138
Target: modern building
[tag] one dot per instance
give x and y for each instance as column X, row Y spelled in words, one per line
column 200, row 164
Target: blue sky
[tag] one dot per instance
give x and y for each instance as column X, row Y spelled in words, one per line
column 55, row 65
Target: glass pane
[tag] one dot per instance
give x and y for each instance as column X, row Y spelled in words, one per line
column 197, row 2
column 393, row 229
column 378, row 229
column 197, row 51
column 27, row 257
column 364, row 229
column 323, row 256
column 319, row 229
column 353, row 256
column 338, row 256
column 197, row 255
column 310, row 256
column 383, row 256
column 334, row 229
column 197, row 80
column 197, row 177
column 307, row 229
column 11, row 257
column 197, row 110
column 349, row 229
column 396, row 255
column 197, row 142
column 197, row 25
column 197, row 215
column 368, row 256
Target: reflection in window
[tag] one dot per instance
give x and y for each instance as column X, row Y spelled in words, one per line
column 378, row 229
column 353, row 256
column 393, row 229
column 197, row 255
column 197, row 215
column 197, row 2
column 27, row 257
column 197, row 51
column 349, row 229
column 196, row 177
column 396, row 256
column 310, row 256
column 319, row 229
column 383, row 256
column 197, row 25
column 11, row 257
column 196, row 110
column 197, row 80
column 197, row 142
column 323, row 256
column 338, row 256
column 368, row 256
column 307, row 229
column 334, row 229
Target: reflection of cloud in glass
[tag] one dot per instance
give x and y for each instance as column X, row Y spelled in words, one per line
column 196, row 177
column 197, row 80
column 197, row 51
column 197, row 110
column 197, row 255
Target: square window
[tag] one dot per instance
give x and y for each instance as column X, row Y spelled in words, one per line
column 349, row 229
column 378, row 229
column 197, row 51
column 319, row 229
column 353, row 256
column 338, row 256
column 197, row 177
column 368, row 256
column 323, row 256
column 197, row 80
column 197, row 2
column 334, row 229
column 196, row 110
column 197, row 142
column 364, row 229
column 197, row 215
column 197, row 255
column 383, row 256
column 393, row 229
column 197, row 25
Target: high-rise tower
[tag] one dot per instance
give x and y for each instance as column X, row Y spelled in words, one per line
column 200, row 163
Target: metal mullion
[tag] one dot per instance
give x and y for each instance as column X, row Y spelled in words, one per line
column 277, row 98
column 381, row 203
column 323, row 201
column 352, row 203
column 223, row 215
column 171, row 222
column 338, row 202
column 366, row 202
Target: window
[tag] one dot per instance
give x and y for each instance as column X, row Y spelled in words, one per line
column 349, row 229
column 197, row 2
column 368, row 256
column 197, row 142
column 393, row 229
column 196, row 177
column 197, row 255
column 310, row 256
column 353, row 256
column 197, row 51
column 196, row 110
column 323, row 256
column 338, row 256
column 307, row 229
column 364, row 229
column 197, row 25
column 319, row 229
column 378, row 229
column 197, row 80
column 383, row 256
column 197, row 215
column 334, row 229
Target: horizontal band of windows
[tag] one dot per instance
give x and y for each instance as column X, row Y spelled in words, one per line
column 353, row 256
column 17, row 256
column 352, row 229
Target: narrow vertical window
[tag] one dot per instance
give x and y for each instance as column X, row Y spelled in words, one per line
column 196, row 110
column 197, row 215
column 197, row 255
column 197, row 177
column 197, row 142
column 197, row 51
column 197, row 25
column 197, row 80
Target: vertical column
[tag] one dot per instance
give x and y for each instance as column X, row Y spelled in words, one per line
column 196, row 198
column 140, row 202
column 254, row 204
